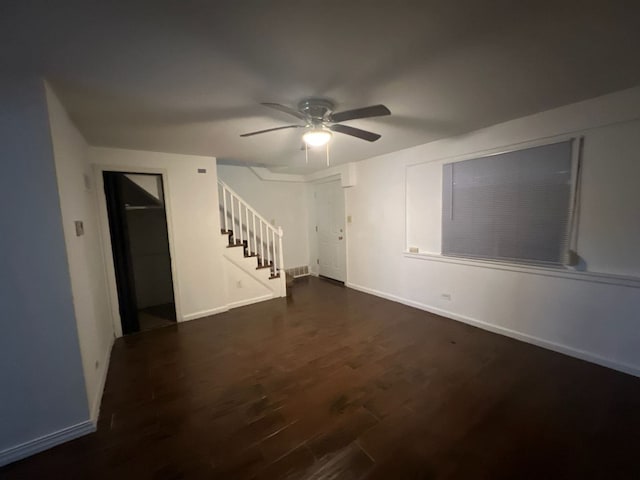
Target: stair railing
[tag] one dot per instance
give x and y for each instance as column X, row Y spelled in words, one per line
column 262, row 239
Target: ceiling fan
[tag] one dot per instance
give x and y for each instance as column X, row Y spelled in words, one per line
column 320, row 120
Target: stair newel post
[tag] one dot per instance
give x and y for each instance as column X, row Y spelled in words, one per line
column 269, row 229
column 273, row 247
column 255, row 243
column 280, row 255
column 224, row 207
column 283, row 280
column 261, row 245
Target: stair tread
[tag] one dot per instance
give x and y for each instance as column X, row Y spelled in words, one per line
column 277, row 275
column 259, row 267
column 231, row 245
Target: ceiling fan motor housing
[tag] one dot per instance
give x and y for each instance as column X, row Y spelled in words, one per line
column 317, row 109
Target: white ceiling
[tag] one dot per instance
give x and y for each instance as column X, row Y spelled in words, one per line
column 188, row 76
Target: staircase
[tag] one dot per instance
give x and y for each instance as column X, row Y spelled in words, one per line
column 251, row 245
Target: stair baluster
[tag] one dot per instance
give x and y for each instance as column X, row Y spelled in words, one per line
column 255, row 242
column 250, row 229
column 224, row 207
column 233, row 221
column 261, row 244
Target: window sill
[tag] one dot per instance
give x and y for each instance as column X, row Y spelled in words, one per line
column 558, row 272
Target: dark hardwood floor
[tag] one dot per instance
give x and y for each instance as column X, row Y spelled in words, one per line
column 336, row 384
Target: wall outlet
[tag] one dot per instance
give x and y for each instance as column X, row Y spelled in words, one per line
column 348, row 218
column 414, row 250
column 446, row 296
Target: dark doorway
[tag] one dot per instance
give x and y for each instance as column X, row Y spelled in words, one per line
column 140, row 244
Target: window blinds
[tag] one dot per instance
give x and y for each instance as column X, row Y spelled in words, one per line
column 512, row 206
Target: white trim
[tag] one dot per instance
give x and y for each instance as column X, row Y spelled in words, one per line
column 204, row 313
column 26, row 449
column 507, row 332
column 326, row 179
column 268, row 176
column 345, row 171
column 559, row 272
column 97, row 401
column 107, row 249
column 502, row 149
column 242, row 303
column 226, row 308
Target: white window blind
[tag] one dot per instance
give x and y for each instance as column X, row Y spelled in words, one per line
column 512, row 206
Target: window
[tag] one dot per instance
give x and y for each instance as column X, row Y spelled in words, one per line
column 513, row 206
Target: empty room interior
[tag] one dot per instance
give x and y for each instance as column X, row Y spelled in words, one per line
column 320, row 240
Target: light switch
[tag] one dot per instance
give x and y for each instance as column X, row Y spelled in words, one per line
column 79, row 228
column 348, row 218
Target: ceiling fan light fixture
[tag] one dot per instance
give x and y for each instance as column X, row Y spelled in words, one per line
column 316, row 137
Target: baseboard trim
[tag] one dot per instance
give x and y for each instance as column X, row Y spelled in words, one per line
column 26, row 449
column 97, row 401
column 540, row 342
column 243, row 303
column 204, row 313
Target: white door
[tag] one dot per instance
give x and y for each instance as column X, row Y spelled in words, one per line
column 329, row 199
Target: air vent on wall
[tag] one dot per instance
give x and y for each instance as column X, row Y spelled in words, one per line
column 296, row 272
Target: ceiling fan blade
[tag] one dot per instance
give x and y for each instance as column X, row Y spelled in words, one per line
column 355, row 132
column 365, row 112
column 271, row 130
column 285, row 109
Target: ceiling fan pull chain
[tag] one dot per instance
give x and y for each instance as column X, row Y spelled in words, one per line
column 327, row 154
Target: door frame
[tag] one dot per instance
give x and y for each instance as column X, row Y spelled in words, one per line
column 331, row 179
column 105, row 234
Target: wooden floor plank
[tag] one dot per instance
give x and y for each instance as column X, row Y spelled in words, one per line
column 334, row 383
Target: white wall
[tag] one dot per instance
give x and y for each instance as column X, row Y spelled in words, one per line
column 191, row 201
column 608, row 230
column 586, row 315
column 283, row 202
column 245, row 284
column 84, row 253
column 42, row 390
